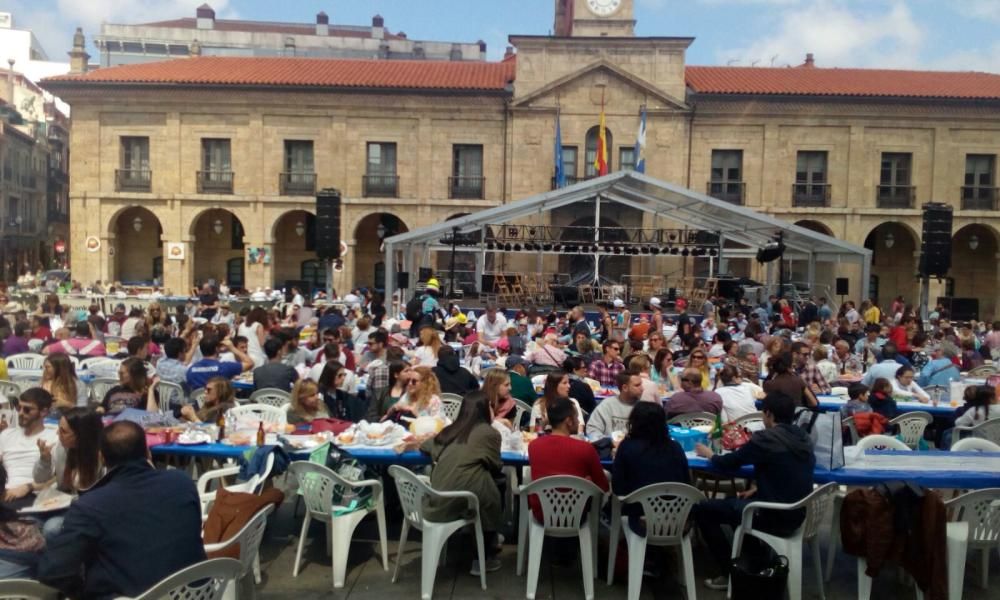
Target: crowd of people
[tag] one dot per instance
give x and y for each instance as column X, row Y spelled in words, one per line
column 594, row 375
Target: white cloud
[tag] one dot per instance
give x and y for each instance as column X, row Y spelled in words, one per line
column 871, row 36
column 985, row 59
column 92, row 13
column 985, row 9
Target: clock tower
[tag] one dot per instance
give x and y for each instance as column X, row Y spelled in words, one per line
column 594, row 18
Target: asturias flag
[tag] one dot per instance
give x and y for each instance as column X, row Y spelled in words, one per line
column 601, row 160
column 640, row 143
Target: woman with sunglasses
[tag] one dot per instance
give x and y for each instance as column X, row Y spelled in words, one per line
column 698, row 359
column 422, row 397
column 662, row 372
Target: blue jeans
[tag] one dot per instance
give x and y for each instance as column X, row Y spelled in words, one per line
column 17, row 565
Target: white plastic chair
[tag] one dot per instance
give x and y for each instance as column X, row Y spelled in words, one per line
column 99, row 388
column 881, row 442
column 912, row 425
column 272, row 397
column 25, row 362
column 987, row 430
column 102, row 366
column 206, row 493
column 666, row 507
column 26, row 589
column 197, row 397
column 817, row 506
column 956, row 546
column 974, row 445
column 694, row 419
column 264, row 412
column 752, row 421
column 981, row 510
column 170, row 393
column 451, row 404
column 413, row 493
column 563, row 500
column 248, row 539
column 26, row 383
column 206, row 580
column 9, row 390
column 318, row 484
column 521, row 408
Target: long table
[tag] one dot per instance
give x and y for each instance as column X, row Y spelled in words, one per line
column 920, row 468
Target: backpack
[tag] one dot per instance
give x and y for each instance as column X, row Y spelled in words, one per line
column 414, row 308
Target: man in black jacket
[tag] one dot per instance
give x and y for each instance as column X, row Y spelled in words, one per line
column 783, row 461
column 453, row 377
column 134, row 527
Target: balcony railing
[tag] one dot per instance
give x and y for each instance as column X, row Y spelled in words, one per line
column 297, row 184
column 570, row 180
column 811, row 195
column 895, row 196
column 733, row 192
column 215, row 182
column 979, row 198
column 132, row 180
column 380, row 186
column 466, row 187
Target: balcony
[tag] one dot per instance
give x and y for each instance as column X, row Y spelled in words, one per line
column 979, row 198
column 811, row 195
column 380, row 186
column 133, row 180
column 467, row 188
column 896, row 196
column 732, row 192
column 570, row 180
column 297, row 184
column 215, row 182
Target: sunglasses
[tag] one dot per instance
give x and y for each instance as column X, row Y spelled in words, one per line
column 614, row 348
column 697, row 356
column 694, row 381
column 24, row 408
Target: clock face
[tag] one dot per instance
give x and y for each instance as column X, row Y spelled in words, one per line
column 603, row 8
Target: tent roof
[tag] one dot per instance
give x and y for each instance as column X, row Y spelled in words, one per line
column 673, row 202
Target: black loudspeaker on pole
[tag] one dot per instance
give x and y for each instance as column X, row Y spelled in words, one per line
column 935, row 243
column 328, row 224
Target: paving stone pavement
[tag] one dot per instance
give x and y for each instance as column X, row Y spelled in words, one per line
column 367, row 581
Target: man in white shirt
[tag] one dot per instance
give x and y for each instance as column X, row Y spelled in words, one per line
column 612, row 413
column 491, row 326
column 19, row 446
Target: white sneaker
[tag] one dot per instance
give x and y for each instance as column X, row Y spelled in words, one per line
column 492, row 564
column 718, row 583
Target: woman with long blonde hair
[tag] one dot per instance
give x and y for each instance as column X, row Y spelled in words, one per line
column 59, row 379
column 422, row 397
column 306, row 403
column 430, row 343
column 496, row 386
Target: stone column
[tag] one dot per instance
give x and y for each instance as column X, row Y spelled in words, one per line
column 178, row 275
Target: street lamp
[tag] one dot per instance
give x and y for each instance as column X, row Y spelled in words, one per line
column 300, row 229
column 890, row 240
column 137, row 224
column 973, row 241
column 381, row 231
column 217, row 226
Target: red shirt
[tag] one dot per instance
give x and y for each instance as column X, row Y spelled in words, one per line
column 562, row 455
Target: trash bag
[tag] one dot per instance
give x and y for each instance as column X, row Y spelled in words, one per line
column 759, row 573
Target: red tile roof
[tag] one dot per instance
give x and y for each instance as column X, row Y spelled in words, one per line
column 306, row 72
column 269, row 27
column 843, row 82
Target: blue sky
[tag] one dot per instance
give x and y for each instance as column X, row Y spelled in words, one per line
column 922, row 34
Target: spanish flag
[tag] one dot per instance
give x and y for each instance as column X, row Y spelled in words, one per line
column 601, row 160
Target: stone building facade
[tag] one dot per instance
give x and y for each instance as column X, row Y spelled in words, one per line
column 849, row 152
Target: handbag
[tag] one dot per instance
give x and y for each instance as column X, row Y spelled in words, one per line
column 760, row 574
column 734, row 436
column 826, row 431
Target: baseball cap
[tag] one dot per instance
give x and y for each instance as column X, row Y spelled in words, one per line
column 619, row 303
column 654, row 301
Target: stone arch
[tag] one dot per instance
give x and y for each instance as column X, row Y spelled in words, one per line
column 367, row 253
column 219, row 236
column 293, row 237
column 799, row 269
column 974, row 249
column 138, row 244
column 817, row 226
column 894, row 247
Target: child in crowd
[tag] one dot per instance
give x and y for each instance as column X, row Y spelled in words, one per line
column 858, row 402
column 881, row 400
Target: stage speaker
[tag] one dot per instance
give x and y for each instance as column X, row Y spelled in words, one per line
column 843, row 286
column 488, row 284
column 402, row 280
column 328, row 224
column 935, row 243
column 424, row 274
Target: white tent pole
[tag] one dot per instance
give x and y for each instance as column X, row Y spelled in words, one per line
column 597, row 239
